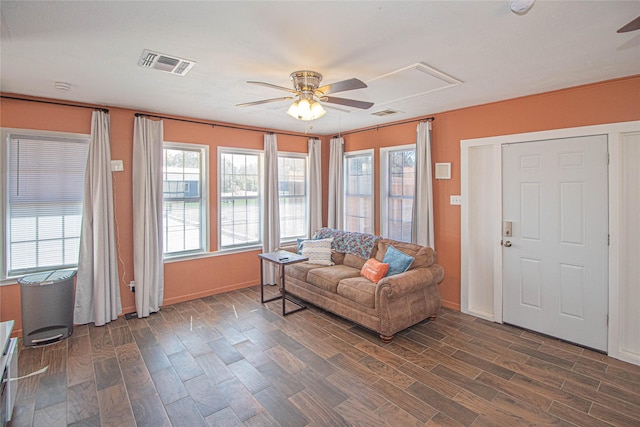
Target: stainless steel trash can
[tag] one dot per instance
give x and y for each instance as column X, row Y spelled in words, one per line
column 47, row 301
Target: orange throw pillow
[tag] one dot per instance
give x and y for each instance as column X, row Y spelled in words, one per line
column 374, row 270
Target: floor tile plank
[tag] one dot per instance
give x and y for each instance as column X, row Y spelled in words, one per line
column 150, row 412
column 184, row 413
column 115, row 407
column 280, row 408
column 242, row 402
column 169, row 386
column 206, row 395
column 442, row 403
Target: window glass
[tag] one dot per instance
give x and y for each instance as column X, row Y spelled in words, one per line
column 240, row 209
column 358, row 202
column 398, row 189
column 184, row 199
column 292, row 184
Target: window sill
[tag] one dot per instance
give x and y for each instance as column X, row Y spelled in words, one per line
column 201, row 255
column 9, row 281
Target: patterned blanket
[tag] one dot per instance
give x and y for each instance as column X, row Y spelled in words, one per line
column 360, row 244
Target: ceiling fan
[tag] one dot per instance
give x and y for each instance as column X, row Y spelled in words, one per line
column 308, row 94
column 631, row 26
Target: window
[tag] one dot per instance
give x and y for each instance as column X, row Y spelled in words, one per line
column 43, row 201
column 292, row 184
column 398, row 172
column 184, row 199
column 240, row 210
column 358, row 201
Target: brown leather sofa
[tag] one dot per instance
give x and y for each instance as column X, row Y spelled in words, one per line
column 393, row 304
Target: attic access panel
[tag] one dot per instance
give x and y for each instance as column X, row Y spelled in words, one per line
column 412, row 81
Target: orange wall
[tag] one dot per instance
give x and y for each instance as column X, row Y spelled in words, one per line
column 184, row 280
column 605, row 102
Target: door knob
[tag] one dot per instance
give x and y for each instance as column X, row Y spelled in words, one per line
column 507, row 244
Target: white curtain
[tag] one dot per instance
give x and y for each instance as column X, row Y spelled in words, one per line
column 271, row 207
column 97, row 286
column 336, row 173
column 315, row 185
column 422, row 224
column 148, row 267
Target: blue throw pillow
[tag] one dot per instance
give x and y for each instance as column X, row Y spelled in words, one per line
column 398, row 261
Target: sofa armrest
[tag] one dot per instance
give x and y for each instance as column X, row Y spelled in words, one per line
column 401, row 284
column 289, row 248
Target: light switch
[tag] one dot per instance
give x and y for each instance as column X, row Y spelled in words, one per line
column 117, row 166
column 455, row 200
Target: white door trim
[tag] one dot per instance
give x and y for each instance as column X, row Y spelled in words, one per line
column 482, row 212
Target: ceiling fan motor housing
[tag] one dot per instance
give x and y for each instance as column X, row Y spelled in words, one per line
column 306, row 81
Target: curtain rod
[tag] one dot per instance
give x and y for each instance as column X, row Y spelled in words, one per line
column 15, row 98
column 220, row 125
column 427, row 119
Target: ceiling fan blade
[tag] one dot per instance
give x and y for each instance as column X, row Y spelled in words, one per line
column 273, row 86
column 348, row 102
column 264, row 101
column 631, row 26
column 342, row 86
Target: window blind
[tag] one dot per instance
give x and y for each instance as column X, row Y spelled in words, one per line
column 44, row 202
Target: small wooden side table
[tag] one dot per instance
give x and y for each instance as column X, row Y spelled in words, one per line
column 282, row 259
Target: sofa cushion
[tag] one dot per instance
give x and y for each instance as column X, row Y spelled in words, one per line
column 374, row 270
column 337, row 257
column 318, row 251
column 424, row 256
column 300, row 270
column 327, row 278
column 354, row 261
column 398, row 261
column 358, row 289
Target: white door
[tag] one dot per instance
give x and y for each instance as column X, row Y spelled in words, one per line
column 555, row 258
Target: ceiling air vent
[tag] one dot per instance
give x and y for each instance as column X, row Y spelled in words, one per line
column 386, row 112
column 162, row 62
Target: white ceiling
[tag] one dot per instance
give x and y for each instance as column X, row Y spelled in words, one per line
column 95, row 46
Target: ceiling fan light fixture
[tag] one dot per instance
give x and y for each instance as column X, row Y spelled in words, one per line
column 317, row 111
column 306, row 110
column 293, row 110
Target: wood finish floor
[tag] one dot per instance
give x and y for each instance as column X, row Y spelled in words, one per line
column 226, row 360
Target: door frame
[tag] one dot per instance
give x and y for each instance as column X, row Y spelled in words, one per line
column 481, row 221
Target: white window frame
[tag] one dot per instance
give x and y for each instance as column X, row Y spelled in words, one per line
column 384, row 183
column 204, row 198
column 4, row 183
column 305, row 157
column 260, row 154
column 348, row 155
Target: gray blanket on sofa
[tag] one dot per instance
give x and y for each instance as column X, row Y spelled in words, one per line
column 359, row 244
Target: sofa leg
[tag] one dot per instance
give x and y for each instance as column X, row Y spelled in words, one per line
column 386, row 339
column 433, row 317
